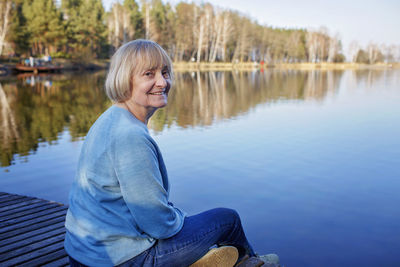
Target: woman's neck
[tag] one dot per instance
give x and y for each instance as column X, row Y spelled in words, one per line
column 142, row 115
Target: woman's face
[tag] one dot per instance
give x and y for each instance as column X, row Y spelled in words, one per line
column 150, row 88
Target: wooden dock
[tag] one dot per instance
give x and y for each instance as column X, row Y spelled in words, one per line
column 31, row 232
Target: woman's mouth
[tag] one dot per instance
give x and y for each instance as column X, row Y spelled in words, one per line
column 157, row 93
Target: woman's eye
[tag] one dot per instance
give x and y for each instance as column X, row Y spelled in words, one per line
column 165, row 74
column 148, row 73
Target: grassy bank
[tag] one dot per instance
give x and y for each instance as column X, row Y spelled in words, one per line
column 215, row 66
column 98, row 64
column 222, row 66
column 335, row 66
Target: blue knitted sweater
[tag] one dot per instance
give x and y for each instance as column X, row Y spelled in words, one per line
column 118, row 203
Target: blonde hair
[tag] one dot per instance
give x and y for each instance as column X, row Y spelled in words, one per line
column 130, row 59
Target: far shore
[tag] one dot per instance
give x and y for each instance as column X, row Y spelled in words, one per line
column 244, row 66
column 102, row 64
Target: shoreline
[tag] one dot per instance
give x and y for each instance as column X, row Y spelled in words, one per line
column 250, row 66
column 102, row 64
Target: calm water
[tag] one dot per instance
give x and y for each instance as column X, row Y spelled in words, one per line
column 310, row 159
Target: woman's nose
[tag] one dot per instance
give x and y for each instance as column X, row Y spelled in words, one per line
column 161, row 81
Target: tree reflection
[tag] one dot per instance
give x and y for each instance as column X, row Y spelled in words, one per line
column 200, row 98
column 37, row 109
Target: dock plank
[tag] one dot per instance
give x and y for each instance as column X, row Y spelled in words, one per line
column 11, row 197
column 31, row 232
column 51, row 259
column 14, row 201
column 33, row 254
column 60, row 262
column 31, row 227
column 28, row 241
column 32, row 248
column 19, row 205
column 34, row 210
column 23, row 207
column 40, row 219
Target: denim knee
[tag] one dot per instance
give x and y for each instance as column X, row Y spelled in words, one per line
column 228, row 214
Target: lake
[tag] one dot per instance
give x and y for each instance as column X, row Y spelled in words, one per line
column 309, row 159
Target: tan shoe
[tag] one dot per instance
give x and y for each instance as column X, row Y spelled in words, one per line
column 225, row 256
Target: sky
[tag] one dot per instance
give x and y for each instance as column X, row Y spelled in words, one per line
column 363, row 21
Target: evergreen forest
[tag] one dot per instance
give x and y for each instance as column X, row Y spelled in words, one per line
column 83, row 29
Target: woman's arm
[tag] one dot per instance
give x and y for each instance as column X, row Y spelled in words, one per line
column 142, row 185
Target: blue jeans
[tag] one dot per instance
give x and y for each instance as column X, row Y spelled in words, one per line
column 219, row 227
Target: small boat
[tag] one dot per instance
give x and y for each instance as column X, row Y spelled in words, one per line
column 38, row 68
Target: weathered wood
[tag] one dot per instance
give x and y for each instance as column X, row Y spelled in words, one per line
column 31, row 227
column 47, row 259
column 3, row 197
column 14, row 201
column 8, row 246
column 31, row 232
column 18, row 205
column 33, row 221
column 23, row 207
column 13, row 198
column 30, row 216
column 33, row 254
column 61, row 262
column 32, row 248
column 26, row 212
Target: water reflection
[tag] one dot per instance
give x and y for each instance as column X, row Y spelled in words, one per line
column 201, row 98
column 37, row 109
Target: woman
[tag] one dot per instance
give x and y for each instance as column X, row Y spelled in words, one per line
column 119, row 212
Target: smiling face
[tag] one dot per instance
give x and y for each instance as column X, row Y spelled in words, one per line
column 150, row 88
column 139, row 78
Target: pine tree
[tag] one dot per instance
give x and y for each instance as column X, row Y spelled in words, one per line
column 136, row 18
column 18, row 34
column 44, row 26
column 86, row 30
column 158, row 22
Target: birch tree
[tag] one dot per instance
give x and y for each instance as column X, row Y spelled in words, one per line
column 200, row 37
column 220, row 37
column 185, row 34
column 184, row 31
column 146, row 6
column 5, row 10
column 354, row 47
column 312, row 46
column 334, row 48
column 226, row 34
column 244, row 40
column 374, row 54
column 115, row 25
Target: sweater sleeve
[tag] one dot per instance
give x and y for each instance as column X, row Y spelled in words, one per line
column 136, row 164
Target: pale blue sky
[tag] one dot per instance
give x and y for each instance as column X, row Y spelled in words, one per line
column 361, row 20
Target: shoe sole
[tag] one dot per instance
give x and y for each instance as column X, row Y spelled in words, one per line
column 225, row 256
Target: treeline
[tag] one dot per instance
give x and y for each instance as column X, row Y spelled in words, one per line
column 82, row 29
